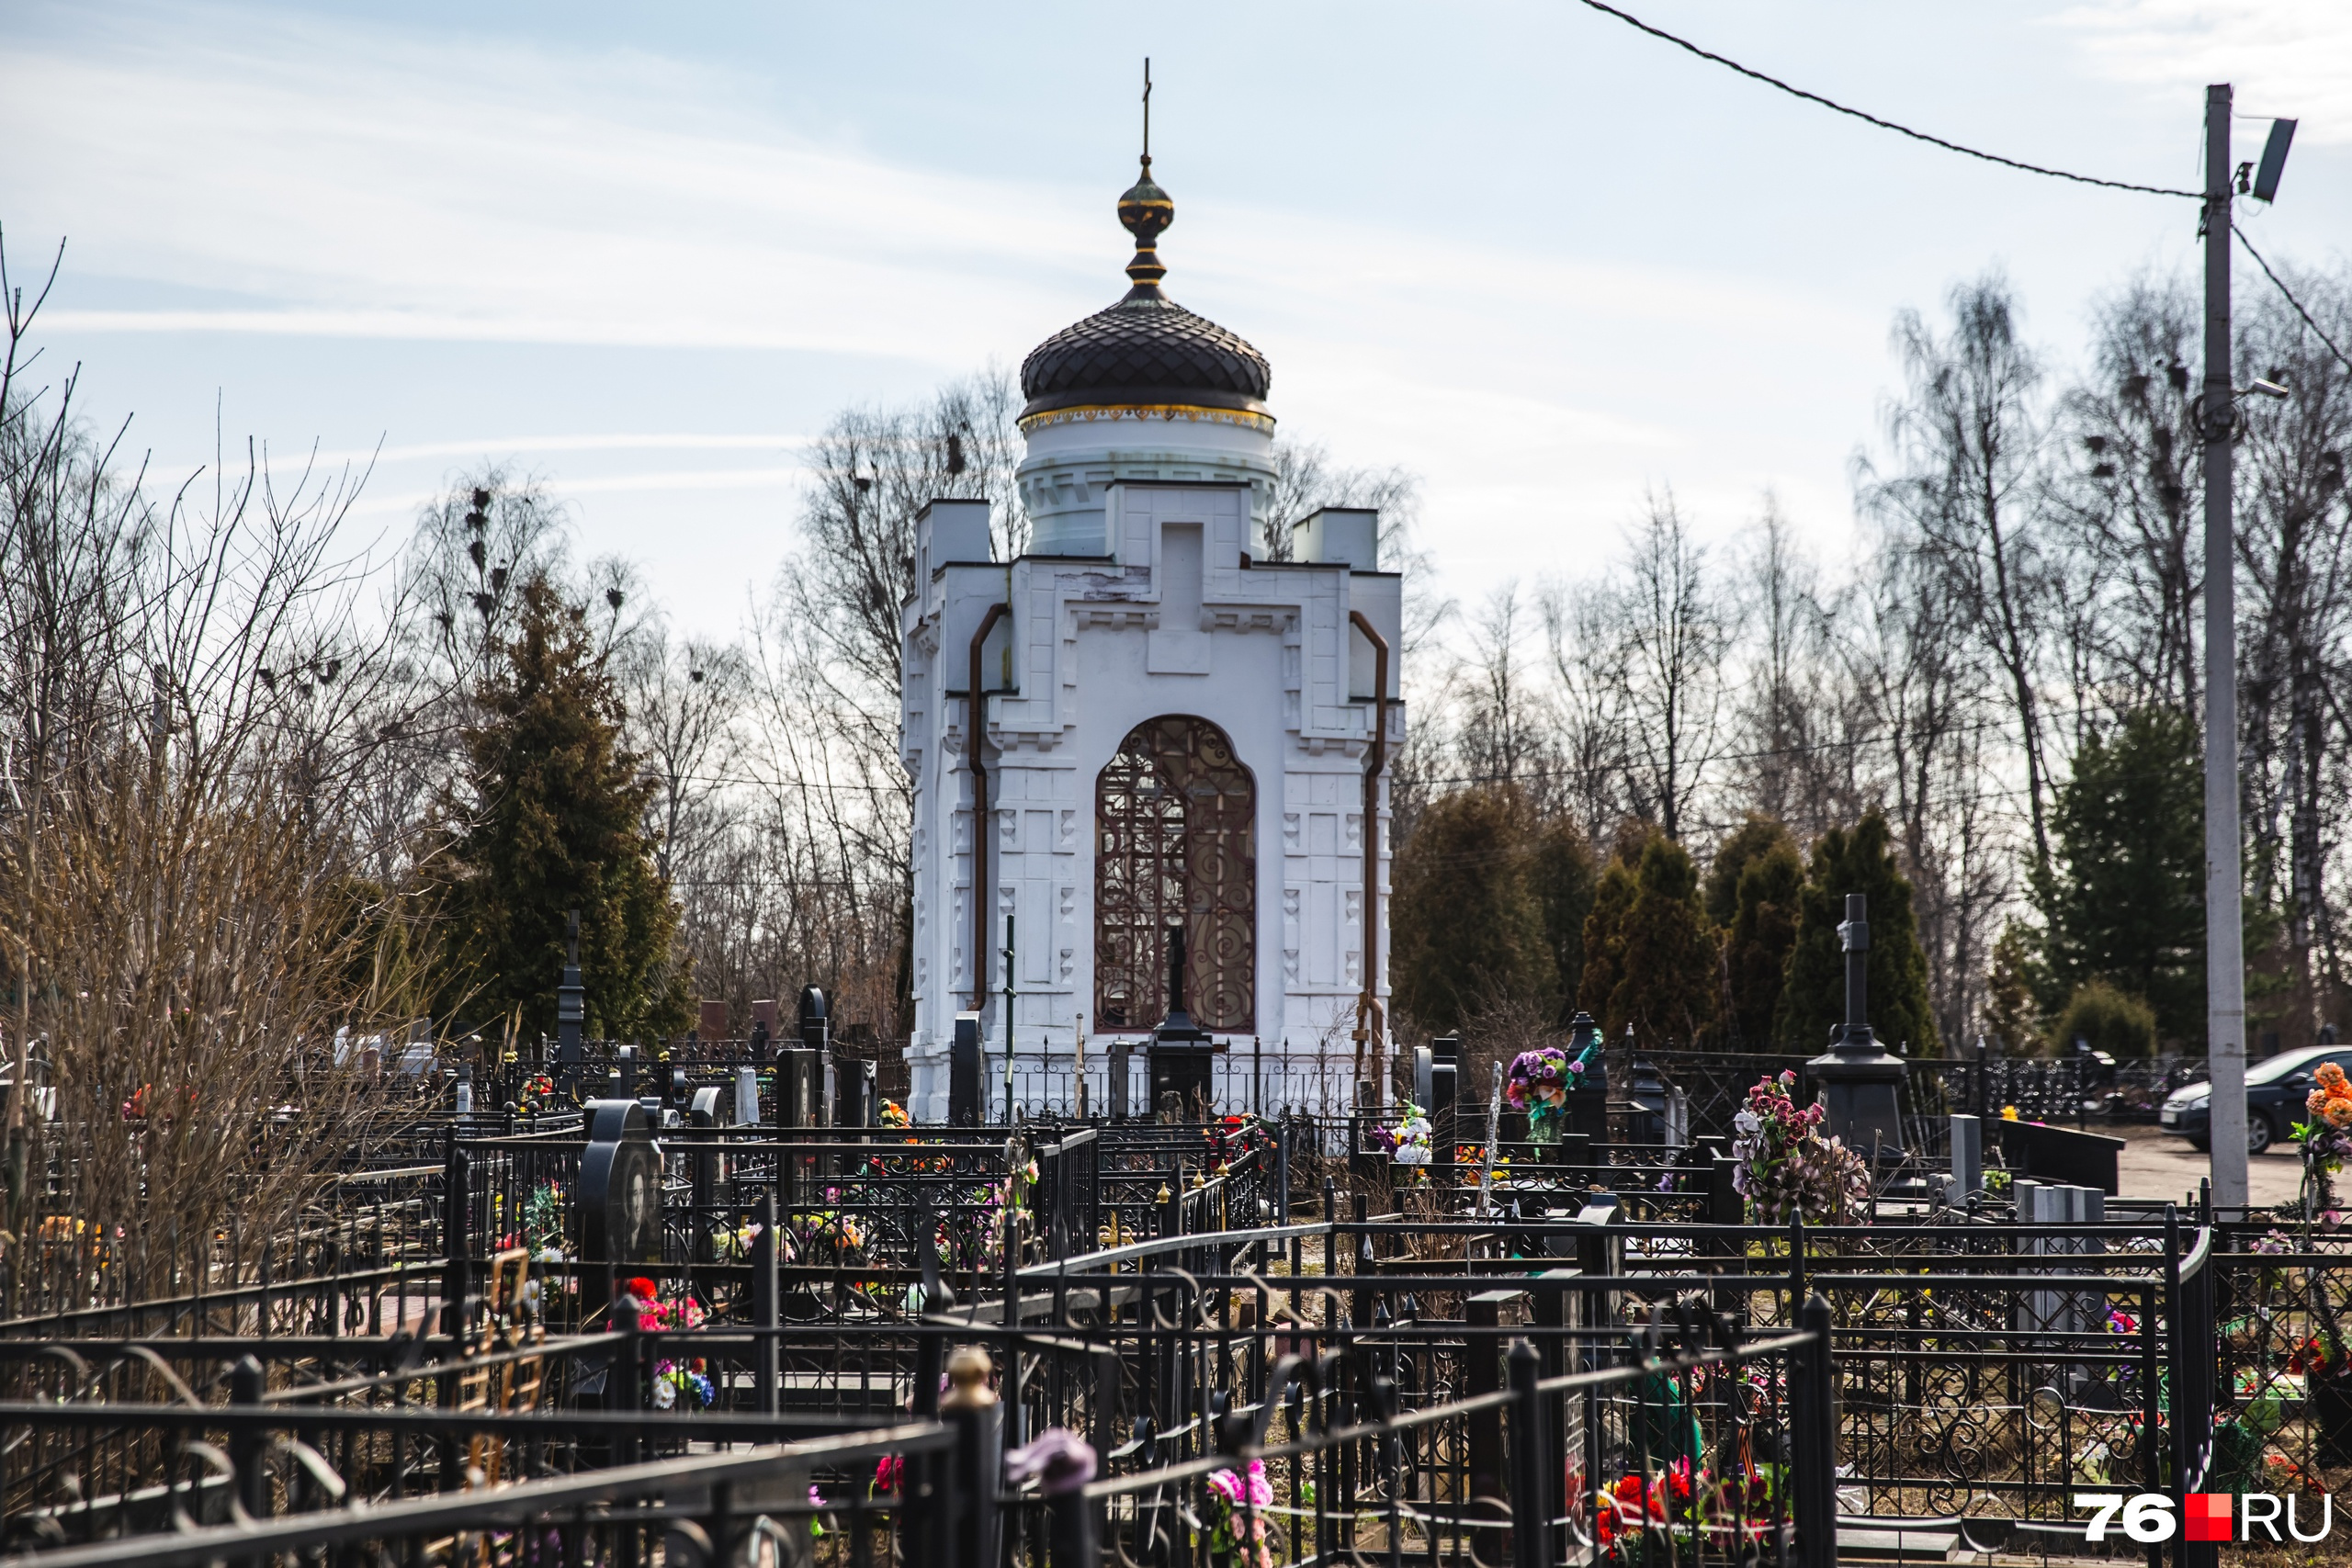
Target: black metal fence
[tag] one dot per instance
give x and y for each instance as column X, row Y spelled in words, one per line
column 1398, row 1355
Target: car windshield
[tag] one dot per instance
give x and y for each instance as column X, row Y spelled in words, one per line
column 2284, row 1066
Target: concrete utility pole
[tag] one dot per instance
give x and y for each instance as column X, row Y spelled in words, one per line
column 2224, row 945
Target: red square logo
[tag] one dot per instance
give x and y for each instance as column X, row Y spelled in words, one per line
column 2209, row 1517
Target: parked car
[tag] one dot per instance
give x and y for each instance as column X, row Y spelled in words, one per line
column 2274, row 1092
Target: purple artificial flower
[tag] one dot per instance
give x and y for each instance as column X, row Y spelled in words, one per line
column 1060, row 1460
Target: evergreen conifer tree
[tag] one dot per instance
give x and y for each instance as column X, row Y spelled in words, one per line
column 1561, row 875
column 2124, row 902
column 1763, row 932
column 1669, row 984
column 1468, row 931
column 1812, row 1003
column 1755, row 835
column 1650, row 952
column 1604, row 932
column 2016, row 989
column 552, row 819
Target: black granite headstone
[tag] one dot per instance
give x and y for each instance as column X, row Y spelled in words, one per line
column 1179, row 1051
column 965, row 1104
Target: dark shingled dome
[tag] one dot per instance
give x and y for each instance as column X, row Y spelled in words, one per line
column 1144, row 349
column 1147, row 348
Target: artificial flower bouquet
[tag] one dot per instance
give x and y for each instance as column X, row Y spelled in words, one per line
column 1666, row 1515
column 1786, row 1167
column 1407, row 1142
column 1238, row 1535
column 2326, row 1137
column 655, row 1315
column 1540, row 1082
column 2319, row 1357
column 543, row 1222
column 675, row 1379
column 1230, row 1138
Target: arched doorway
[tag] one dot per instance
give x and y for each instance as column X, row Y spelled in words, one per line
column 1175, row 839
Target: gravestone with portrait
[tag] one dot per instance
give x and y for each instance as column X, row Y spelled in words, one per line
column 620, row 1197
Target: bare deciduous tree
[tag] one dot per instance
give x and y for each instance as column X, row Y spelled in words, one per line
column 1969, row 438
column 683, row 699
column 2125, row 503
column 1586, row 659
column 184, row 686
column 2295, row 551
column 1675, row 637
column 1506, row 730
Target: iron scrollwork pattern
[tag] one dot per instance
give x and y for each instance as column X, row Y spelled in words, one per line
column 1175, row 839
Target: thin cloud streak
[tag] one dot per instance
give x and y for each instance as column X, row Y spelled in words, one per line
column 612, row 484
column 618, row 442
column 410, row 204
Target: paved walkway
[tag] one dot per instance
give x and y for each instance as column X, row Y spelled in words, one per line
column 2154, row 1164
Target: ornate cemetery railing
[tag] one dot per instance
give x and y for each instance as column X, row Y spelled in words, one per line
column 804, row 1502
column 530, row 1307
column 1980, row 1384
column 1334, row 1458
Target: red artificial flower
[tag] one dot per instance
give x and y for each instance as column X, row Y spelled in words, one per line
column 640, row 1287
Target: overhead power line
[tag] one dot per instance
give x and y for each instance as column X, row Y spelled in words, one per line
column 1632, row 21
column 2279, row 284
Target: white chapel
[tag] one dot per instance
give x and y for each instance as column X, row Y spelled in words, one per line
column 1144, row 735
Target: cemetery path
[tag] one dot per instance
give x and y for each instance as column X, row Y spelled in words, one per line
column 2156, row 1164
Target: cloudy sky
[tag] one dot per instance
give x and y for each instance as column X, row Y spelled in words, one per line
column 1542, row 260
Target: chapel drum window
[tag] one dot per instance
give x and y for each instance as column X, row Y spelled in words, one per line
column 1175, row 840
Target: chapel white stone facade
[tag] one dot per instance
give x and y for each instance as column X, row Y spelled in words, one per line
column 1174, row 731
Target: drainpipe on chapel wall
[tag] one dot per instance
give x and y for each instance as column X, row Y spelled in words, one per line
column 1371, row 1030
column 975, row 720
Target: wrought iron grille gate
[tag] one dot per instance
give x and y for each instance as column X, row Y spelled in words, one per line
column 1174, row 816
